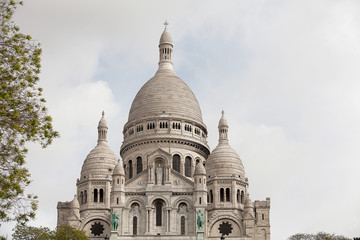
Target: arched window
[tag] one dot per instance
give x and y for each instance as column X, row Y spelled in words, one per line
column 211, row 196
column 130, row 169
column 85, row 196
column 95, row 195
column 117, row 201
column 176, row 163
column 221, row 194
column 208, row 198
column 101, row 195
column 182, row 231
column 158, row 210
column 199, row 200
column 238, row 196
column 188, row 166
column 228, row 194
column 242, row 197
column 139, row 166
column 81, row 197
column 134, row 225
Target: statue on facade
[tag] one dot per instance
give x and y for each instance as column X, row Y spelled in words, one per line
column 200, row 220
column 159, row 174
column 114, row 220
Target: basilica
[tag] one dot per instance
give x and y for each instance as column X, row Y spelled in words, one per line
column 169, row 184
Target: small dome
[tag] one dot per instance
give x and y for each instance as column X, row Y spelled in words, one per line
column 102, row 122
column 223, row 122
column 248, row 203
column 100, row 161
column 119, row 170
column 224, row 161
column 200, row 169
column 75, row 203
column 165, row 38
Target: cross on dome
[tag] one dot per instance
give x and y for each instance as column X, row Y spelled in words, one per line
column 166, row 23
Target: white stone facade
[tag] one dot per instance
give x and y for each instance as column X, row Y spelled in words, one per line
column 167, row 176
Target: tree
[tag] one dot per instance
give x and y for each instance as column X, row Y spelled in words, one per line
column 23, row 115
column 318, row 236
column 23, row 232
column 65, row 232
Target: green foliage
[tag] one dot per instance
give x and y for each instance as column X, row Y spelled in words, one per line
column 23, row 232
column 318, row 236
column 23, row 115
column 65, row 232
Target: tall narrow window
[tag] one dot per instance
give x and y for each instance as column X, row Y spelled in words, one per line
column 262, row 216
column 81, row 197
column 130, row 169
column 238, row 196
column 221, row 194
column 134, row 225
column 139, row 166
column 158, row 210
column 176, row 163
column 211, row 196
column 188, row 166
column 117, row 201
column 182, row 225
column 95, row 195
column 101, row 195
column 85, row 196
column 242, row 197
column 199, row 200
column 228, row 194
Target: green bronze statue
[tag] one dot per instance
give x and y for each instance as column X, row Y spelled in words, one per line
column 200, row 220
column 114, row 220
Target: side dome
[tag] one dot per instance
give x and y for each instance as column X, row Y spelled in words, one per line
column 165, row 94
column 199, row 169
column 119, row 170
column 101, row 161
column 224, row 160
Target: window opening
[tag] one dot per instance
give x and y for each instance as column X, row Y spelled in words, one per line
column 158, row 209
column 188, row 166
column 101, row 195
column 182, row 225
column 95, row 195
column 134, row 225
column 228, row 194
column 139, row 166
column 221, row 194
column 176, row 163
column 130, row 169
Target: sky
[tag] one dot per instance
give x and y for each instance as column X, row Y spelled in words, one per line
column 286, row 73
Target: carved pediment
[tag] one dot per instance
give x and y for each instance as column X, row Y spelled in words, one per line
column 159, row 153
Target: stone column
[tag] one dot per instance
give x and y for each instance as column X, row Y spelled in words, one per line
column 233, row 192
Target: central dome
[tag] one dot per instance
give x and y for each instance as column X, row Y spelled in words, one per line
column 165, row 94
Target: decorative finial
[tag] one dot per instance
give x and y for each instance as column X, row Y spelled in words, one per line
column 166, row 24
column 222, row 112
column 103, row 113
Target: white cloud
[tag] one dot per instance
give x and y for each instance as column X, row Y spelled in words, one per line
column 285, row 72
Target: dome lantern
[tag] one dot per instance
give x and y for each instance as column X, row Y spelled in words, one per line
column 223, row 129
column 102, row 129
column 165, row 50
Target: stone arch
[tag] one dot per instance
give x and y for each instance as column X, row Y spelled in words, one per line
column 214, row 224
column 262, row 235
column 153, row 199
column 135, row 200
column 184, row 200
column 93, row 219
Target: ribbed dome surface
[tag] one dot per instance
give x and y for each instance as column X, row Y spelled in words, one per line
column 100, row 161
column 165, row 93
column 165, row 37
column 200, row 169
column 74, row 203
column 224, row 161
column 119, row 170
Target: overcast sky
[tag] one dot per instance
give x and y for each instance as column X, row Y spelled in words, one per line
column 285, row 72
